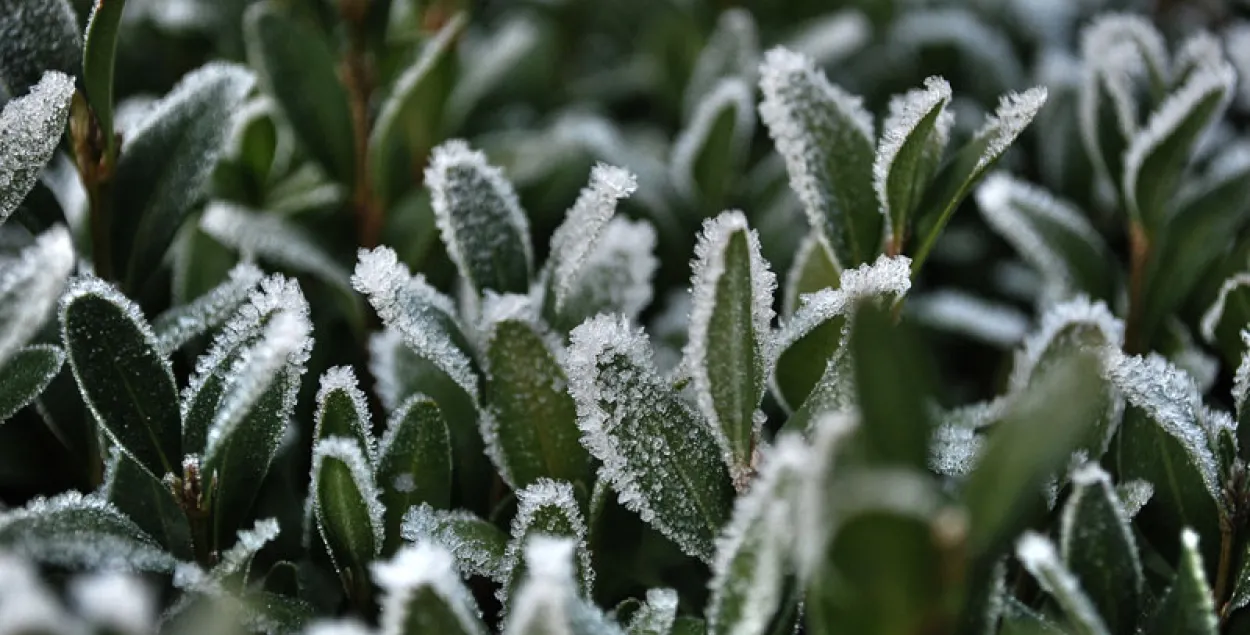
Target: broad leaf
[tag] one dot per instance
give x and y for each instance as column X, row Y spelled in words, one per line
column 477, row 546
column 1187, row 607
column 99, row 55
column 913, row 138
column 545, row 508
column 32, row 125
column 729, row 349
column 80, row 532
column 414, row 463
column 422, row 595
column 530, row 423
column 298, row 68
column 123, row 377
column 348, row 513
column 25, row 375
column 1100, row 551
column 659, row 456
column 37, row 36
column 470, row 195
column 1038, row 556
column 150, row 503
column 166, row 165
column 826, row 138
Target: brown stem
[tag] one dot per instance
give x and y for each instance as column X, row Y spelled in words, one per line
column 356, row 77
column 95, row 168
column 1226, row 562
column 1139, row 255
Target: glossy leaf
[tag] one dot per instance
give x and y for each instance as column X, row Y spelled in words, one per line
column 814, row 269
column 98, row 63
column 25, row 375
column 709, row 152
column 913, row 138
column 414, row 463
column 150, row 503
column 1100, row 551
column 342, row 411
column 477, row 546
column 347, row 509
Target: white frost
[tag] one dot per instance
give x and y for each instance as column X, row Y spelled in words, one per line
column 416, row 568
column 1015, row 112
column 544, row 599
column 731, row 51
column 114, row 601
column 955, row 311
column 617, row 275
column 342, row 379
column 26, row 604
column 109, row 539
column 30, row 286
column 906, row 112
column 1212, row 316
column 731, row 92
column 269, row 236
column 1079, row 311
column 472, row 556
column 1038, row 556
column 575, row 240
column 179, row 325
column 546, row 496
column 32, row 126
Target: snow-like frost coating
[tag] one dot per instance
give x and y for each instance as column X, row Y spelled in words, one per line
column 1039, row 557
column 472, row 557
column 32, row 126
column 906, row 112
column 545, row 496
column 1212, row 316
column 115, row 601
column 731, row 92
column 422, row 567
column 179, row 325
column 576, row 239
column 269, row 236
column 347, row 451
column 342, row 379
column 30, row 286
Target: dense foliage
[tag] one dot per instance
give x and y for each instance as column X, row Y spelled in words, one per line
column 651, row 317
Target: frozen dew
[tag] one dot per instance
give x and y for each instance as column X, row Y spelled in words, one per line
column 1040, row 559
column 1211, row 317
column 473, row 553
column 955, row 449
column 80, row 531
column 955, row 311
column 1061, row 320
column 178, row 326
column 115, row 601
column 887, row 278
column 906, row 112
column 342, row 380
column 32, row 126
column 616, row 277
column 348, row 452
column 1091, row 480
column 270, row 237
column 386, row 353
column 547, row 502
column 730, row 93
column 424, row 567
column 1134, row 495
column 1241, row 380
column 26, row 605
column 30, row 286
column 238, row 558
column 1015, row 112
column 575, row 241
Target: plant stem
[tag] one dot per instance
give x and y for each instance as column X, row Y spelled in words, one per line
column 1139, row 255
column 1226, row 561
column 356, row 77
column 95, row 168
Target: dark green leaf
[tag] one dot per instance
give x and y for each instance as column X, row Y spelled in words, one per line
column 414, row 463
column 896, row 423
column 1187, row 607
column 814, row 269
column 424, row 596
column 545, row 508
column 122, row 375
column 25, row 375
column 477, row 546
column 348, row 513
column 150, row 503
column 343, row 412
column 709, row 152
column 37, row 36
column 1038, row 556
column 80, row 532
column 99, row 55
column 1226, row 319
column 914, row 137
column 1099, row 549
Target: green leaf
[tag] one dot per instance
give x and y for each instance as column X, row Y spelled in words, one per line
column 414, row 463
column 548, row 600
column 896, row 424
column 530, row 424
column 1187, row 607
column 343, row 412
column 1228, row 316
column 814, row 269
column 913, row 138
column 1163, row 441
column 167, row 162
column 1051, row 235
column 545, row 508
column 752, row 566
column 181, row 324
column 1038, row 556
column 730, row 337
column 33, row 125
column 25, row 376
column 37, row 36
column 826, row 138
column 410, row 121
column 1099, row 549
column 98, row 57
column 1159, row 154
column 346, row 507
column 656, row 617
column 30, row 286
column 469, row 195
column 149, row 502
column 732, row 50
column 422, row 595
column 1038, row 433
column 80, row 532
column 961, row 172
column 615, row 277
column 298, row 68
column 657, row 453
column 477, row 546
column 686, row 625
column 124, row 379
column 709, row 152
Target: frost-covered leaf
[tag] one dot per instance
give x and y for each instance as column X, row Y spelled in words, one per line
column 1038, row 431
column 342, row 411
column 32, row 126
column 98, row 57
column 1224, row 320
column 810, row 337
column 574, row 243
column 656, row 452
column 545, row 508
column 832, row 37
column 167, row 162
column 548, row 601
column 732, row 51
column 234, row 565
column 123, row 377
column 1050, row 234
column 80, row 532
column 961, row 172
column 480, row 219
column 1099, row 549
column 709, row 152
column 149, row 502
column 477, row 546
column 729, row 349
column 410, row 119
column 347, row 509
column 179, row 325
column 414, row 463
column 1158, row 155
column 1067, row 328
column 30, row 286
column 25, row 375
column 616, row 277
column 298, row 68
column 422, row 595
column 752, row 565
column 913, row 138
column 1163, row 441
column 37, row 36
column 1241, row 382
column 1038, row 556
column 657, row 615
column 814, row 269
column 1187, row 607
column 826, row 138
column 530, row 424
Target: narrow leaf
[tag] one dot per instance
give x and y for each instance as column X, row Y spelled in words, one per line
column 729, row 347
column 181, row 324
column 80, row 532
column 343, row 412
column 414, row 463
column 615, row 277
column 657, row 453
column 732, row 50
column 574, row 243
column 545, row 508
column 347, row 509
column 124, row 379
column 913, row 138
column 423, row 596
column 99, row 55
column 32, row 125
column 709, row 152
column 37, row 36
column 1224, row 320
column 298, row 68
column 1187, row 607
column 1038, row 556
column 469, row 195
column 1099, row 549
column 826, row 138
column 476, row 545
column 25, row 375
